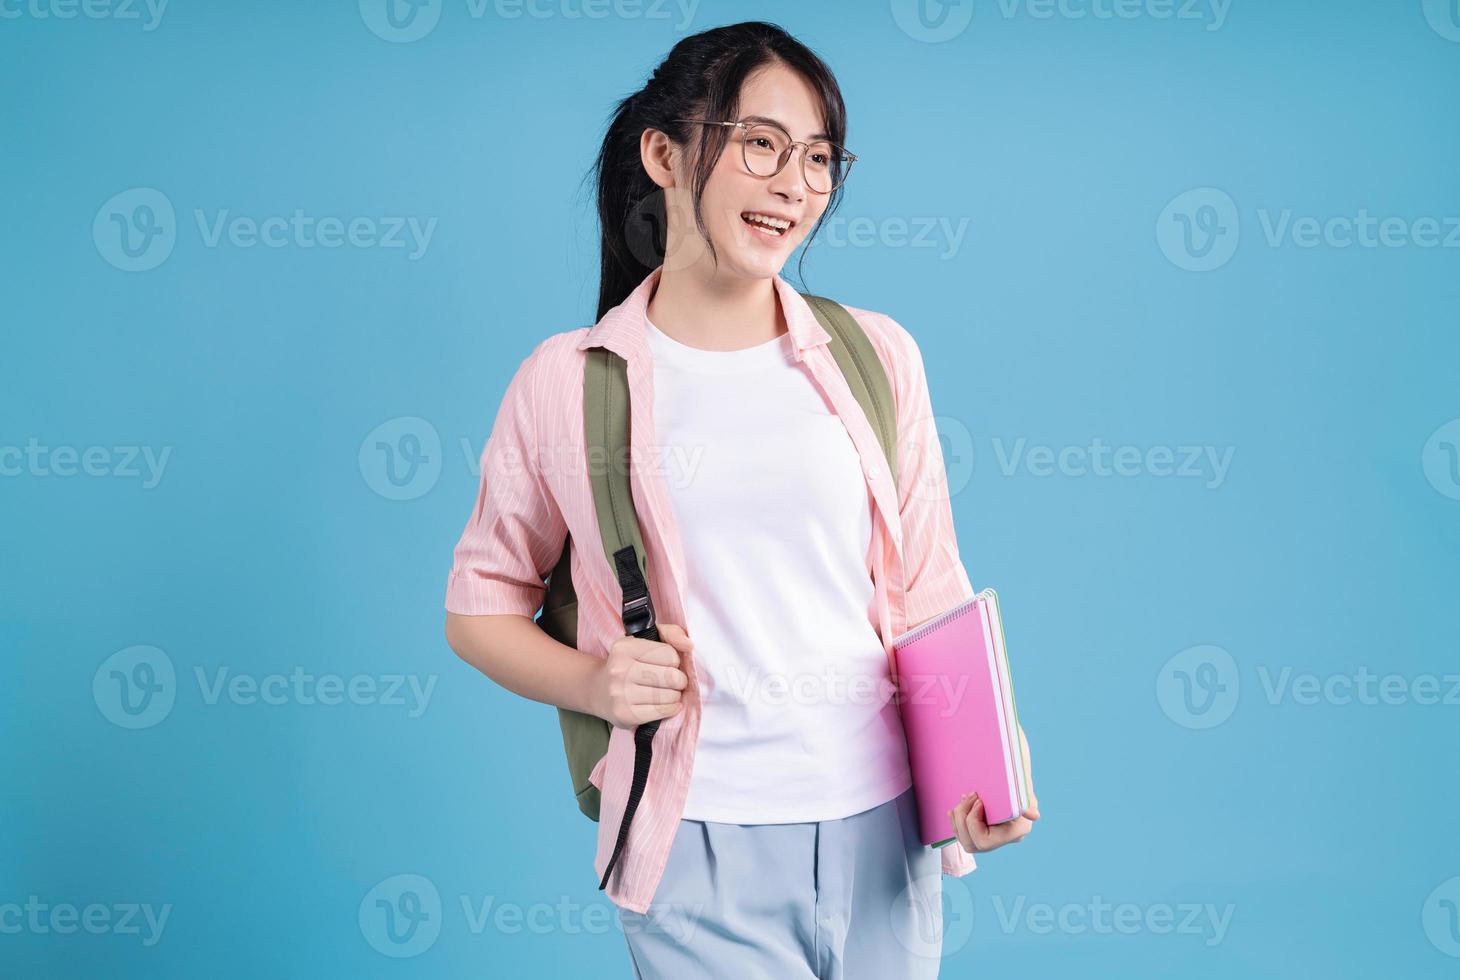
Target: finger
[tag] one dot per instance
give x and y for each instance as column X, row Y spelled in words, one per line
column 959, row 816
column 1032, row 810
column 643, row 694
column 977, row 812
column 1012, row 830
column 977, row 824
column 1007, row 832
column 657, row 675
column 652, row 712
column 650, row 652
column 671, row 631
column 675, row 636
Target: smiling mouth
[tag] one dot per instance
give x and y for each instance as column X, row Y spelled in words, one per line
column 766, row 225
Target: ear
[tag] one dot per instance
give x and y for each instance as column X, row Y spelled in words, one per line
column 660, row 156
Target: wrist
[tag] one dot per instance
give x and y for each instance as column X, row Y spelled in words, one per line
column 590, row 696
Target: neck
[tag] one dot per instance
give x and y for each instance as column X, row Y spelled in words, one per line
column 716, row 313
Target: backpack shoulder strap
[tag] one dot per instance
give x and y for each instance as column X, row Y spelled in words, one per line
column 606, row 440
column 863, row 370
column 606, row 422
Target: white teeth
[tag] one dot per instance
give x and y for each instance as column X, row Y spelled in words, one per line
column 778, row 225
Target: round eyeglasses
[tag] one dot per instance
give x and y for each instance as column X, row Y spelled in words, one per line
column 767, row 147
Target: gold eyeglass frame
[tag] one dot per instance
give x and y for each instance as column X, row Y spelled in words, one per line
column 847, row 155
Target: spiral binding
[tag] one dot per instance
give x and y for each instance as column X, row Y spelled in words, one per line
column 912, row 636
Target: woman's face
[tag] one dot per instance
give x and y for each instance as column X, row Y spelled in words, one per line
column 747, row 250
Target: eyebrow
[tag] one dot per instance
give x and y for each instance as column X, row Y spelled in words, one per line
column 777, row 122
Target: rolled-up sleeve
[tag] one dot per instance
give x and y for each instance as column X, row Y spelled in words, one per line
column 935, row 579
column 516, row 531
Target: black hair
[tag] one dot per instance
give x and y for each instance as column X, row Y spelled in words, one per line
column 700, row 78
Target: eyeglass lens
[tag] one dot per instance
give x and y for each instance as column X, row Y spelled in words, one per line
column 766, row 147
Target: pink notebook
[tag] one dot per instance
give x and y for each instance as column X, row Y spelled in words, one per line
column 956, row 698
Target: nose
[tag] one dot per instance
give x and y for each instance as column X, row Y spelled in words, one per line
column 790, row 183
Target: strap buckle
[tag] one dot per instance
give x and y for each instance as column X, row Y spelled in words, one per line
column 638, row 616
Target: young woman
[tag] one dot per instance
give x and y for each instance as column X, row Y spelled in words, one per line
column 777, row 834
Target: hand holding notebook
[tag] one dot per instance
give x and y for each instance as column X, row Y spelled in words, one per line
column 973, row 830
column 956, row 697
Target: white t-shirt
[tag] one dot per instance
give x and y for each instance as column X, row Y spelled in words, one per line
column 776, row 521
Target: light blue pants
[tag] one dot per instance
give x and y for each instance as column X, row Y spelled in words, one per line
column 830, row 899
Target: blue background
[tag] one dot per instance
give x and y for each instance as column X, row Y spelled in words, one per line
column 1064, row 315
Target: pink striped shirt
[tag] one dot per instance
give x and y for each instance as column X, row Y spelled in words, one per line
column 535, row 490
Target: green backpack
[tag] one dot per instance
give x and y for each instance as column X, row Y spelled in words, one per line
column 606, row 437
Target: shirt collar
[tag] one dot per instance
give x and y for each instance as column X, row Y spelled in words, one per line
column 622, row 328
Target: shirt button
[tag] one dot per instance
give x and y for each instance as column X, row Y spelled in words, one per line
column 874, row 472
